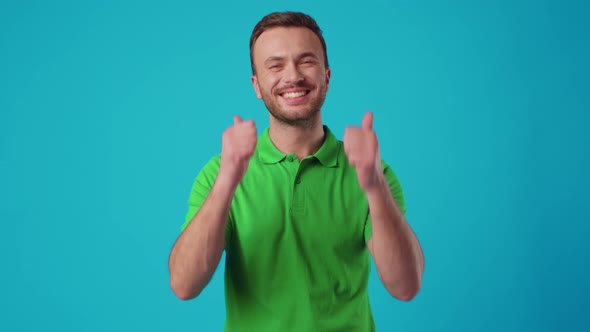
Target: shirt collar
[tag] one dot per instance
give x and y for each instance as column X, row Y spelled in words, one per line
column 267, row 152
column 327, row 154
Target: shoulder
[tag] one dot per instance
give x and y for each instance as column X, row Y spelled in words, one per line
column 213, row 164
column 208, row 173
column 388, row 171
column 394, row 185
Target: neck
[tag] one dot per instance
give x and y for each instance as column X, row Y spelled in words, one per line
column 301, row 140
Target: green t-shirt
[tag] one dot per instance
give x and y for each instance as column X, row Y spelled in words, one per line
column 296, row 234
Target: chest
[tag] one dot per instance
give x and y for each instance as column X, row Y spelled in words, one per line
column 299, row 207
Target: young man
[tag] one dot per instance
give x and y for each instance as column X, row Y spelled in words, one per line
column 297, row 211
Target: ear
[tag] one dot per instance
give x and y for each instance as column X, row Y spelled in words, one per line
column 254, row 80
column 328, row 74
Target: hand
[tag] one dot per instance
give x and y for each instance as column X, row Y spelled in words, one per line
column 362, row 150
column 237, row 147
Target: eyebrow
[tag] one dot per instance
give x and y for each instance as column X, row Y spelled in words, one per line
column 281, row 58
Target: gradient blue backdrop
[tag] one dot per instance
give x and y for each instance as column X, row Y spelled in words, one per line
column 108, row 110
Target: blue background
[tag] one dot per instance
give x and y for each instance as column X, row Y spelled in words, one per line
column 109, row 109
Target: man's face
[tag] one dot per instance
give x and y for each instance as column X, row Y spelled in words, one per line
column 291, row 76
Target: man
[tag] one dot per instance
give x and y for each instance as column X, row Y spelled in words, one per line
column 296, row 210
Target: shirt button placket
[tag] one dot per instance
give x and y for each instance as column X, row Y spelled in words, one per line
column 298, row 203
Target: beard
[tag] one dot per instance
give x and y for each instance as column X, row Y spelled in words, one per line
column 300, row 118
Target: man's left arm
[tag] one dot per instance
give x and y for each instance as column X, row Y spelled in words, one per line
column 393, row 245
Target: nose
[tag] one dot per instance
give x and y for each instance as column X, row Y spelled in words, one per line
column 292, row 74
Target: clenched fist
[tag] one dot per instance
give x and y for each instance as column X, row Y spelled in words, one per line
column 237, row 147
column 362, row 150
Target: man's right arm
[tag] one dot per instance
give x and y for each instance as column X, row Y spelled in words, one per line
column 198, row 249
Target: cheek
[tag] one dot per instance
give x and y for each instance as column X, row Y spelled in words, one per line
column 272, row 81
column 316, row 77
column 270, row 84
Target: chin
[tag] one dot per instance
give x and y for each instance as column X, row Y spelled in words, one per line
column 296, row 117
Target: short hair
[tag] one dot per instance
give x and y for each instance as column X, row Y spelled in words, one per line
column 286, row 19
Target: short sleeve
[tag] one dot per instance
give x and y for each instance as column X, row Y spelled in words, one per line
column 396, row 191
column 200, row 190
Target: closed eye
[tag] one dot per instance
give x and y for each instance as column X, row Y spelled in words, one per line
column 308, row 61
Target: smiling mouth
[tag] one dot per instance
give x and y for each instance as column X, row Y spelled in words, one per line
column 293, row 95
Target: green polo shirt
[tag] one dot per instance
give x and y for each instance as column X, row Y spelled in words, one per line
column 296, row 234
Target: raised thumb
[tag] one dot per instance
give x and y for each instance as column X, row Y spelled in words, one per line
column 367, row 121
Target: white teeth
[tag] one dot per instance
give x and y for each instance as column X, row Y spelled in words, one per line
column 294, row 94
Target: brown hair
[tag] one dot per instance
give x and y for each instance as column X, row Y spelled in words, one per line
column 286, row 19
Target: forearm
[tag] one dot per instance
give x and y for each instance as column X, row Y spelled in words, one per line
column 198, row 249
column 394, row 246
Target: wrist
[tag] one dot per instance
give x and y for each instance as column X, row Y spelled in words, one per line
column 379, row 186
column 226, row 180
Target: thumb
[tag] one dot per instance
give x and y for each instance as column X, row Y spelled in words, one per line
column 367, row 121
column 237, row 119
